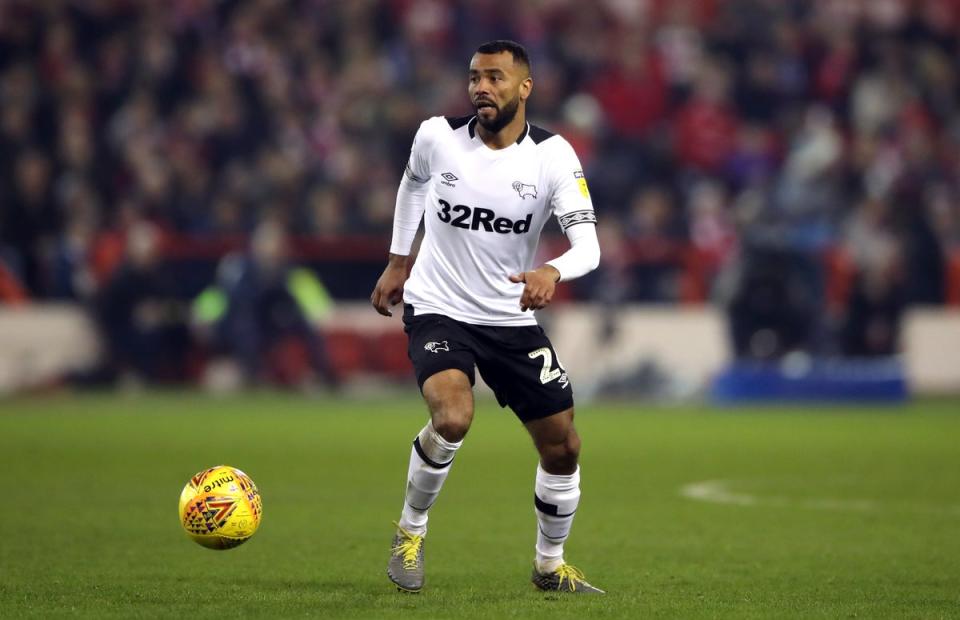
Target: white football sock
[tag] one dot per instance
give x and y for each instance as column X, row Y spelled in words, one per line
column 555, row 500
column 430, row 460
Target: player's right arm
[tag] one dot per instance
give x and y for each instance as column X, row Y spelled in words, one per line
column 406, row 221
column 389, row 289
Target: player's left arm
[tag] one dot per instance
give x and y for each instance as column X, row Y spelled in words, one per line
column 574, row 210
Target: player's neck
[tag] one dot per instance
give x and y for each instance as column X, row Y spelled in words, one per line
column 506, row 136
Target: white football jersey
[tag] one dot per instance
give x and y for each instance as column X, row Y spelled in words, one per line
column 483, row 215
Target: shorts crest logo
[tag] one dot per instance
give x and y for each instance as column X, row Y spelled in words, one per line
column 525, row 190
column 436, row 347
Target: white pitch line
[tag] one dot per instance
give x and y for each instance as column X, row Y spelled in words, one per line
column 719, row 492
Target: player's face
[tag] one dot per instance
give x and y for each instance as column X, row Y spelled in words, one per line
column 497, row 86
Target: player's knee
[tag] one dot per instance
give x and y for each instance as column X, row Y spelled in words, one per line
column 452, row 421
column 450, row 399
column 561, row 457
column 453, row 428
column 452, row 414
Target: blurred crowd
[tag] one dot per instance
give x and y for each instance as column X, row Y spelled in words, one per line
column 757, row 132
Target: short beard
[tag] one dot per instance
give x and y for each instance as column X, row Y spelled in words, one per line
column 504, row 115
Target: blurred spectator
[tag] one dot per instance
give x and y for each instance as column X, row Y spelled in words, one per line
column 706, row 125
column 773, row 311
column 871, row 326
column 659, row 227
column 712, row 230
column 263, row 312
column 137, row 311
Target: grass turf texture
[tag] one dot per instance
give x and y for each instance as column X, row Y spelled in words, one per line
column 89, row 486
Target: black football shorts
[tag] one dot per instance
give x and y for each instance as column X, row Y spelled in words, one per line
column 518, row 363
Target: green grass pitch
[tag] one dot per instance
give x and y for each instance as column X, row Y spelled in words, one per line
column 802, row 512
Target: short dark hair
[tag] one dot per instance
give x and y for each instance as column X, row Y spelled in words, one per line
column 518, row 51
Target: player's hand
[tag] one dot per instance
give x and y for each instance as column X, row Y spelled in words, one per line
column 389, row 289
column 540, row 285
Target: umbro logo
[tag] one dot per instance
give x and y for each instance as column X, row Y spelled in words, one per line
column 448, row 179
column 436, row 347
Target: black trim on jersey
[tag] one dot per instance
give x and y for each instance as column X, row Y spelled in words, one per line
column 523, row 134
column 549, row 509
column 577, row 217
column 539, row 134
column 426, row 459
column 456, row 122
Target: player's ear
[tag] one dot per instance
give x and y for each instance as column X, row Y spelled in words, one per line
column 526, row 87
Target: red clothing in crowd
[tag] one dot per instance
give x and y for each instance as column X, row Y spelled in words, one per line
column 632, row 101
column 706, row 134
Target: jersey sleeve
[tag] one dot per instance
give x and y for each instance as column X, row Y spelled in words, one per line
column 570, row 197
column 412, row 192
column 572, row 206
column 418, row 165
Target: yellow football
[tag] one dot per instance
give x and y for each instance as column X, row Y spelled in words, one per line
column 220, row 507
